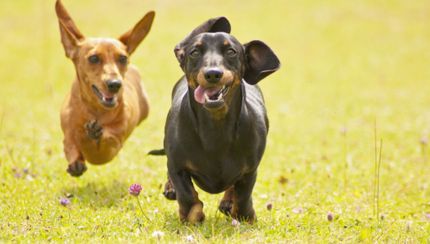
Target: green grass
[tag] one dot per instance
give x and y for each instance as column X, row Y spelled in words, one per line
column 345, row 65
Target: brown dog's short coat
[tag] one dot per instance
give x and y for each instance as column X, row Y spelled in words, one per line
column 107, row 100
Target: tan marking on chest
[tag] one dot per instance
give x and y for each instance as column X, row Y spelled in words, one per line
column 190, row 166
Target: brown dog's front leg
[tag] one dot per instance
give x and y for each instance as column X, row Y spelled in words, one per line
column 76, row 161
column 94, row 130
column 190, row 206
column 102, row 144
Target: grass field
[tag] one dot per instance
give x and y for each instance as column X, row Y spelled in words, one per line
column 348, row 68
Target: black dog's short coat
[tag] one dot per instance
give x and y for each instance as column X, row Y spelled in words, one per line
column 216, row 128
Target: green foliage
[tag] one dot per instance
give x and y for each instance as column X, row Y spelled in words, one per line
column 345, row 64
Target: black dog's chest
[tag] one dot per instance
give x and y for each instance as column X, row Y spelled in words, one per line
column 215, row 175
column 220, row 159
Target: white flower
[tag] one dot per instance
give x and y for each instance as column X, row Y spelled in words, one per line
column 157, row 234
column 235, row 223
column 264, row 196
column 189, row 238
column 298, row 210
column 409, row 225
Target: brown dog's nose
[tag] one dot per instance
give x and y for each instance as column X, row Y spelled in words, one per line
column 113, row 85
column 213, row 75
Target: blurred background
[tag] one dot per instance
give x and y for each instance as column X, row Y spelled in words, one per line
column 346, row 66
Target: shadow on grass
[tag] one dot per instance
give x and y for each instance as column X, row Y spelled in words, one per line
column 216, row 226
column 97, row 194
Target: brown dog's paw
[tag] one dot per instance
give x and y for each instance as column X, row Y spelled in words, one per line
column 225, row 207
column 77, row 168
column 94, row 130
column 169, row 191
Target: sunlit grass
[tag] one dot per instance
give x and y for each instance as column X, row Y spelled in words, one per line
column 345, row 65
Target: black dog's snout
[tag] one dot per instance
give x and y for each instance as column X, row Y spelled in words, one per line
column 114, row 85
column 213, row 75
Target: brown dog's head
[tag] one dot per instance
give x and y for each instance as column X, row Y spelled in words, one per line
column 215, row 63
column 101, row 63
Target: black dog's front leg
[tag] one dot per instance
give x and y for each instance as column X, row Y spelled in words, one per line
column 242, row 200
column 169, row 190
column 190, row 206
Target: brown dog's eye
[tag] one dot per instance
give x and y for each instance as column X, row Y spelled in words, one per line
column 231, row 52
column 94, row 59
column 123, row 59
column 195, row 53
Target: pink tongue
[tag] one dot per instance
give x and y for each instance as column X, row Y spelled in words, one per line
column 107, row 96
column 199, row 93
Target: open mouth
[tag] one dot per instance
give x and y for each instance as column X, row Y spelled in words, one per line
column 106, row 100
column 211, row 97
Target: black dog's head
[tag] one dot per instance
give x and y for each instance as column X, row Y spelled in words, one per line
column 215, row 62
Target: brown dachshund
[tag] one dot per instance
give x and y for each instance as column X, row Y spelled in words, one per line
column 107, row 100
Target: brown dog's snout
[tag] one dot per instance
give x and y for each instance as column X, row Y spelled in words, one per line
column 113, row 85
column 213, row 75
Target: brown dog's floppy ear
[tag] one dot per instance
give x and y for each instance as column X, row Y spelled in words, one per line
column 70, row 34
column 219, row 24
column 261, row 61
column 133, row 37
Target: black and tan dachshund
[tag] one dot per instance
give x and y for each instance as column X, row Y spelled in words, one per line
column 216, row 128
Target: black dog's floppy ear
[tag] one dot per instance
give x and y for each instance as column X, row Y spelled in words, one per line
column 219, row 24
column 261, row 62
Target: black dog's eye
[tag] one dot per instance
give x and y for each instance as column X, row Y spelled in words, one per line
column 123, row 59
column 195, row 53
column 231, row 52
column 94, row 59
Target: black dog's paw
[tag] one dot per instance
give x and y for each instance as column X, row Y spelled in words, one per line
column 169, row 191
column 225, row 207
column 94, row 130
column 249, row 216
column 170, row 194
column 76, row 168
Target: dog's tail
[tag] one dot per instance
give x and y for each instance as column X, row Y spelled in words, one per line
column 157, row 152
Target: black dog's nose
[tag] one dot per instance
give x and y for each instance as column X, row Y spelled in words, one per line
column 213, row 75
column 113, row 85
